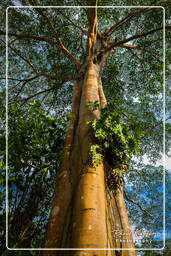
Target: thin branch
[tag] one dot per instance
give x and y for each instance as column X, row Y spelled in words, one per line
column 21, row 80
column 24, row 58
column 12, row 78
column 25, row 82
column 27, row 36
column 59, row 42
column 130, row 46
column 123, row 21
column 38, row 93
column 44, row 39
column 148, row 43
column 152, row 54
column 138, row 57
column 144, row 48
column 75, row 25
column 44, row 97
column 113, row 43
column 53, row 77
column 134, row 202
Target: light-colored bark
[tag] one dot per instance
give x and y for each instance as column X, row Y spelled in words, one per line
column 85, row 214
column 64, row 187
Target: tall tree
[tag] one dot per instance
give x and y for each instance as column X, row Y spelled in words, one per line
column 88, row 203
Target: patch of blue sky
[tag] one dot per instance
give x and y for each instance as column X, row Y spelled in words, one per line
column 49, row 66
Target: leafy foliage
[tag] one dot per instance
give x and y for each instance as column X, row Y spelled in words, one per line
column 35, row 141
column 114, row 142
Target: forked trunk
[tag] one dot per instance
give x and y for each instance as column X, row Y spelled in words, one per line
column 85, row 213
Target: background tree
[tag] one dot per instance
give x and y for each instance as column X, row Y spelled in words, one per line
column 45, row 63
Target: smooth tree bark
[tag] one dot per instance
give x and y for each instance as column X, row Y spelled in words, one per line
column 85, row 213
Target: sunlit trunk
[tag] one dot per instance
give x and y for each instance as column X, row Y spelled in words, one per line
column 85, row 213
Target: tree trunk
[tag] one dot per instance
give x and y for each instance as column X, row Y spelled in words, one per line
column 85, row 213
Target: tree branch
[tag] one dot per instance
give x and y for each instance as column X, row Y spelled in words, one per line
column 92, row 18
column 54, row 77
column 45, row 39
column 138, row 57
column 148, row 43
column 62, row 79
column 59, row 42
column 152, row 54
column 43, row 91
column 134, row 202
column 11, row 78
column 22, row 57
column 130, row 46
column 27, row 36
column 38, row 93
column 75, row 25
column 25, row 81
column 113, row 43
column 123, row 21
column 21, row 80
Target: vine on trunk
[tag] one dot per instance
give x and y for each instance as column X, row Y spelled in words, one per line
column 114, row 143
